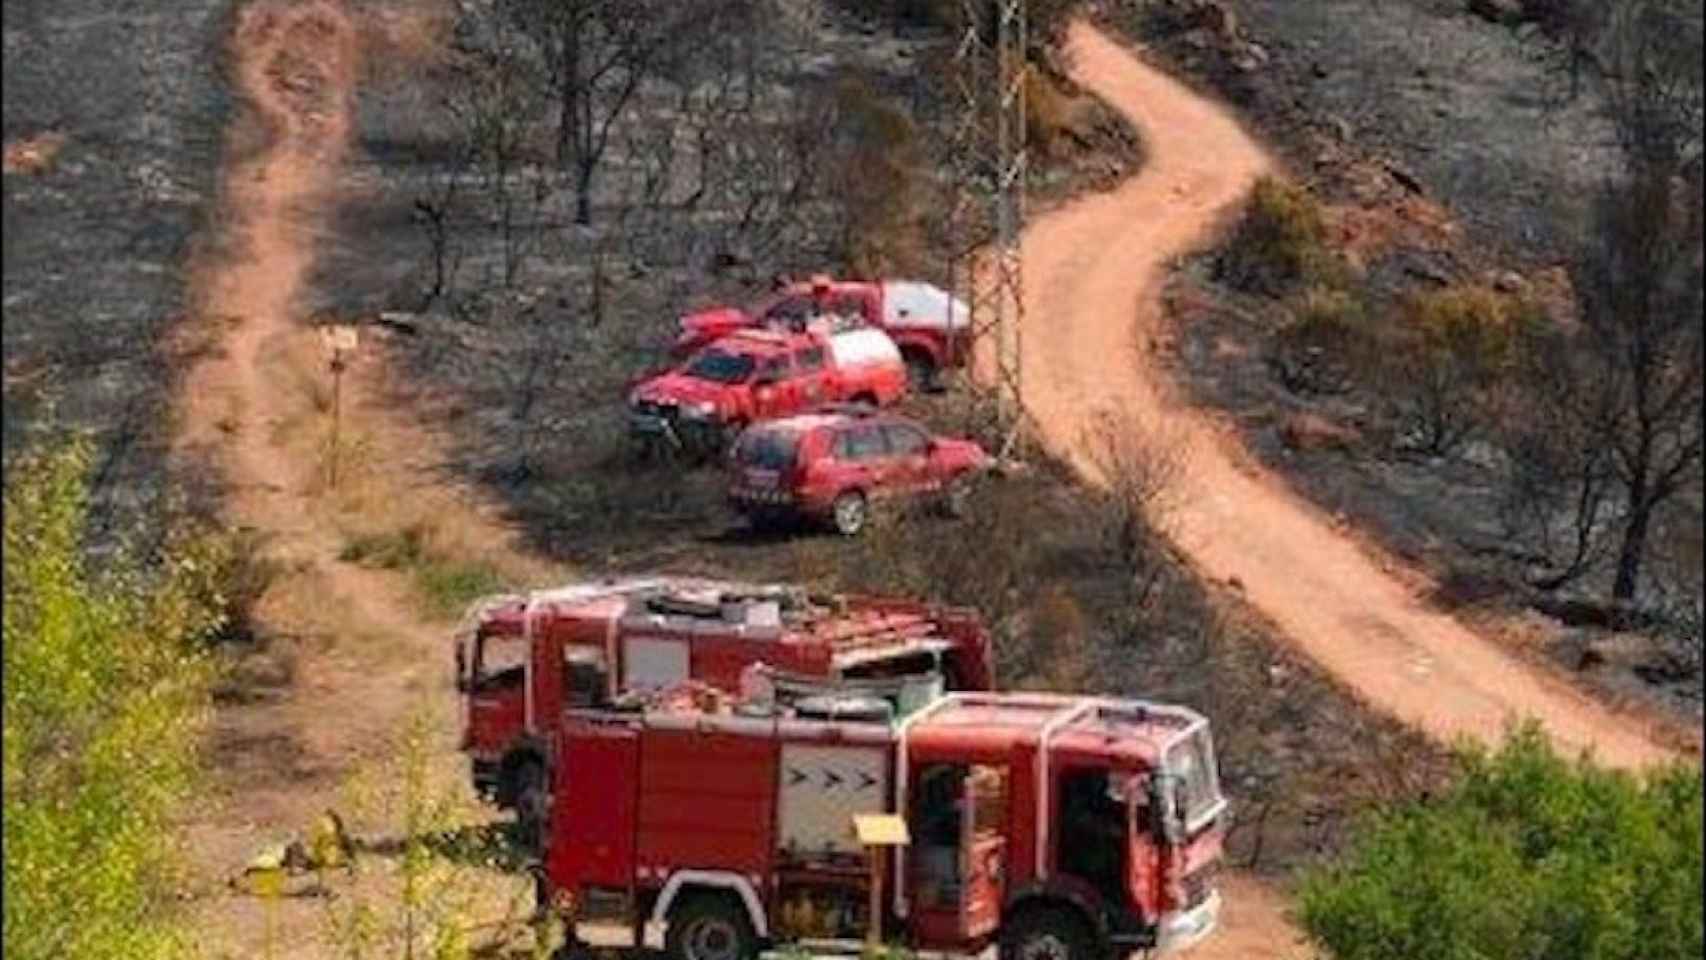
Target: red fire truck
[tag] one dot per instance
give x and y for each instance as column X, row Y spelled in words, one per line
column 1066, row 827
column 520, row 659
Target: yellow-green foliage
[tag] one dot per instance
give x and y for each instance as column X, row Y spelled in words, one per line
column 105, row 691
column 1443, row 368
column 447, row 584
column 1327, row 312
column 1281, row 242
column 1528, row 855
column 1326, row 344
column 438, row 867
column 1470, row 324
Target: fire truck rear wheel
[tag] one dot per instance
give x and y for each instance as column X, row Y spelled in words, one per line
column 709, row 926
column 1048, row 933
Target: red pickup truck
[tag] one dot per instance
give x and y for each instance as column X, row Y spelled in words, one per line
column 927, row 323
column 755, row 374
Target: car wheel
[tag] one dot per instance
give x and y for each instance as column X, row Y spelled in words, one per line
column 710, row 927
column 849, row 512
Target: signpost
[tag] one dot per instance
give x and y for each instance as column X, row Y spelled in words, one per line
column 877, row 832
column 337, row 340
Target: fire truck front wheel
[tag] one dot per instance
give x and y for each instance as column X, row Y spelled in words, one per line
column 710, row 926
column 1049, row 933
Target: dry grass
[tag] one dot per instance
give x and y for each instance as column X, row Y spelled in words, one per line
column 399, row 40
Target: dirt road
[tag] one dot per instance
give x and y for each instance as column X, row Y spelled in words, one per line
column 360, row 657
column 1094, row 269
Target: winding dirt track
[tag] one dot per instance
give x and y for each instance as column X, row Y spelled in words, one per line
column 1097, row 266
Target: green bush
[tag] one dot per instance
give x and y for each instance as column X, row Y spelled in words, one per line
column 1528, row 855
column 1281, row 243
column 396, row 550
column 1325, row 345
column 1453, row 351
column 449, row 585
column 106, row 688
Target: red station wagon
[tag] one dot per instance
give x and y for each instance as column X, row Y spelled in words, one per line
column 832, row 464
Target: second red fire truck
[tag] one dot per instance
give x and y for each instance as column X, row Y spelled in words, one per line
column 521, row 659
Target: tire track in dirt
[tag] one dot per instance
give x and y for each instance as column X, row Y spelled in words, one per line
column 1097, row 266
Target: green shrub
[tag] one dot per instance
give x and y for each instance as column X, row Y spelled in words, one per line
column 449, row 585
column 1325, row 345
column 106, row 688
column 1281, row 243
column 1453, row 350
column 1528, row 855
column 397, row 550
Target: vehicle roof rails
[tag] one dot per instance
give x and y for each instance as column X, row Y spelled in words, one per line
column 849, row 409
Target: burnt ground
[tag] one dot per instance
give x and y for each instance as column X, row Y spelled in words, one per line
column 1471, row 111
column 1445, row 155
column 529, row 383
column 94, row 247
column 94, row 256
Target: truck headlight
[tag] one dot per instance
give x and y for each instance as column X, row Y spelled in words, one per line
column 706, row 409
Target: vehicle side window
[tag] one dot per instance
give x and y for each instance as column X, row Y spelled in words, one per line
column 792, row 312
column 906, row 441
column 776, row 368
column 865, row 442
column 809, row 360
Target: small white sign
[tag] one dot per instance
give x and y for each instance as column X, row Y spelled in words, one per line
column 338, row 338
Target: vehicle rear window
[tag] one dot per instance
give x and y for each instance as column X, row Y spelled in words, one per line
column 767, row 449
column 809, row 360
column 720, row 366
column 906, row 440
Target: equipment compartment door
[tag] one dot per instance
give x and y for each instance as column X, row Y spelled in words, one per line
column 596, row 807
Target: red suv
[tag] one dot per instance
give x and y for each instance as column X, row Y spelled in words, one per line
column 834, row 463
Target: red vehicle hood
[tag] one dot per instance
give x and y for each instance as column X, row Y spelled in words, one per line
column 704, row 326
column 679, row 388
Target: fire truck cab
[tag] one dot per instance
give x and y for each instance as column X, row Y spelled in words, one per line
column 521, row 659
column 1059, row 827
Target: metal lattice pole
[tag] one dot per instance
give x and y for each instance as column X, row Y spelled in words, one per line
column 988, row 212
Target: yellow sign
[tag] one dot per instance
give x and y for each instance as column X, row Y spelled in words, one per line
column 881, row 830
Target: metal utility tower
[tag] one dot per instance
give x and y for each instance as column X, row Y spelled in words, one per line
column 988, row 210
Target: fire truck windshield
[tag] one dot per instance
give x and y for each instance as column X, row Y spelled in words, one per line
column 1191, row 762
column 499, row 662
